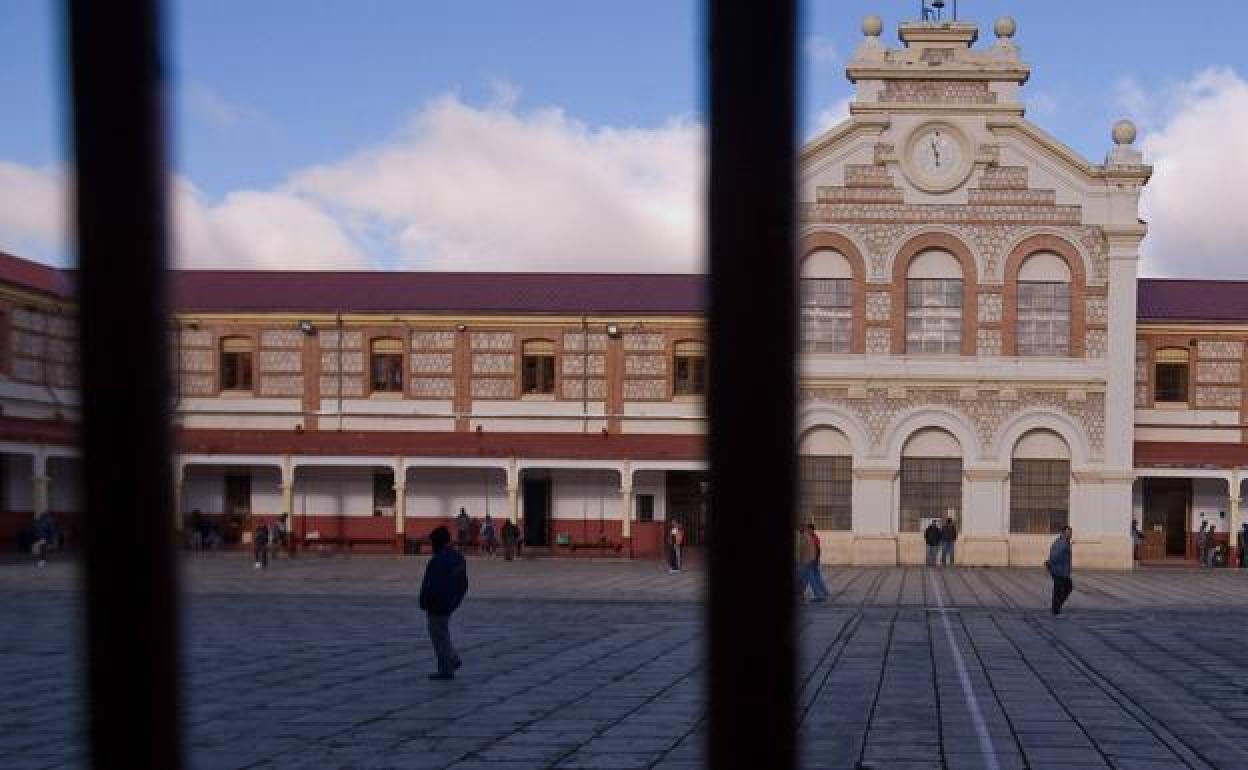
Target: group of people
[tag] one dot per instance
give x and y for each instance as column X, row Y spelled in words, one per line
column 940, row 540
column 510, row 533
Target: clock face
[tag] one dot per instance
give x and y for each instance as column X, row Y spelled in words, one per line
column 937, row 158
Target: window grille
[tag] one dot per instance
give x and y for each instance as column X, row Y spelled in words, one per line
column 931, row 488
column 1043, row 319
column 934, row 315
column 826, row 314
column 826, row 492
column 1039, row 496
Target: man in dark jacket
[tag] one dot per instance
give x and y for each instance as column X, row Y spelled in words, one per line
column 1059, row 565
column 931, row 536
column 948, row 536
column 441, row 592
column 46, row 537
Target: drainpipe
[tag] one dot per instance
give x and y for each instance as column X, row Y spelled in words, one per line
column 338, row 317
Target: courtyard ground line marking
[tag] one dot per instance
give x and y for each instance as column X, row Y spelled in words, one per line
column 968, row 692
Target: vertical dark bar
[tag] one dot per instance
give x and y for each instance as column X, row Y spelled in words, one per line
column 130, row 578
column 753, row 382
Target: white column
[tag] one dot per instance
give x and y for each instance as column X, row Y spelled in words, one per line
column 400, row 504
column 875, row 512
column 39, row 483
column 626, row 501
column 513, row 491
column 983, row 539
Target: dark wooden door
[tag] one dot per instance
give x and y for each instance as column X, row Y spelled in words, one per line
column 536, row 511
column 1166, row 506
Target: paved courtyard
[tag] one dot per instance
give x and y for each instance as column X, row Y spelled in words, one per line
column 322, row 663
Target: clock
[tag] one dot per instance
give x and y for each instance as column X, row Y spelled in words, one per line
column 937, row 158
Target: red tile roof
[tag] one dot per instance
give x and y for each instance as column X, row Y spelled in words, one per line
column 1169, row 299
column 35, row 276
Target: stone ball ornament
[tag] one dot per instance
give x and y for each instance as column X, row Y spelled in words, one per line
column 1005, row 27
column 1124, row 132
column 872, row 26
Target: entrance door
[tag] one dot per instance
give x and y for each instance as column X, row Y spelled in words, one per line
column 536, row 511
column 237, row 505
column 1166, row 505
column 686, row 504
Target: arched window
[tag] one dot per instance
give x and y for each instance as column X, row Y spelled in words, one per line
column 689, row 368
column 934, row 303
column 931, row 479
column 1171, row 376
column 825, row 465
column 1040, row 484
column 387, row 365
column 1043, row 309
column 236, row 355
column 826, row 302
column 537, row 368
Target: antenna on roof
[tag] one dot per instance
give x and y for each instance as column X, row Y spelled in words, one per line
column 934, row 10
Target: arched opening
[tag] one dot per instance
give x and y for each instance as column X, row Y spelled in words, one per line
column 931, row 479
column 934, row 284
column 1042, row 318
column 825, row 463
column 1039, row 484
column 826, row 302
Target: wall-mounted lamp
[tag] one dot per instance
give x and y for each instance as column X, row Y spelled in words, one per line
column 306, row 327
column 613, row 331
column 460, row 327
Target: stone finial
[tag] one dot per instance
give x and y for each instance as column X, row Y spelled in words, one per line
column 1005, row 27
column 872, row 26
column 1124, row 132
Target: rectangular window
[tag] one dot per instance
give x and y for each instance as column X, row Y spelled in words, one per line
column 645, row 508
column 1039, row 496
column 236, row 355
column 826, row 314
column 384, row 495
column 690, row 376
column 934, row 315
column 387, row 366
column 931, row 488
column 1043, row 327
column 1171, row 384
column 826, row 492
column 538, row 373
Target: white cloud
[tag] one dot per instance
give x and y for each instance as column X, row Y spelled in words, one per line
column 492, row 188
column 221, row 113
column 1195, row 201
column 829, row 116
column 33, row 212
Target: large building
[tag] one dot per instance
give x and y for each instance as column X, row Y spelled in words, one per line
column 975, row 344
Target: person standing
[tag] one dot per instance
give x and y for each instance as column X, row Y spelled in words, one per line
column 1137, row 539
column 463, row 529
column 811, row 557
column 46, row 537
column 1059, row 565
column 1202, row 542
column 675, row 539
column 487, row 535
column 441, row 592
column 260, row 544
column 278, row 536
column 931, row 536
column 510, row 535
column 948, row 536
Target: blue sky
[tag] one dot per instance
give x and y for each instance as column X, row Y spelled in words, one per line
column 264, row 92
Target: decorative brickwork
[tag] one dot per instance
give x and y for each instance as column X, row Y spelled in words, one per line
column 1219, row 349
column 645, row 390
column 988, row 342
column 645, row 366
column 1004, row 178
column 858, row 195
column 439, row 339
column 574, row 364
column 879, row 305
column 493, row 388
column 350, row 340
column 281, row 361
column 1212, row 397
column 1141, row 396
column 493, row 363
column 432, row 387
column 879, row 339
column 32, row 320
column 987, row 414
column 1097, row 311
column 939, row 213
column 643, row 341
column 430, row 363
column 989, row 307
column 197, row 360
column 1012, row 197
column 196, row 338
column 29, row 369
column 352, row 361
column 863, row 175
column 573, row 388
column 198, row 384
column 1217, row 372
column 937, row 92
column 281, row 338
column 1097, row 343
column 493, row 341
column 281, row 385
column 352, row 386
column 575, row 341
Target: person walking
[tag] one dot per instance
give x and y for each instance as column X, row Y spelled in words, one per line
column 46, row 538
column 441, row 592
column 810, row 555
column 510, row 536
column 260, row 544
column 931, row 536
column 1202, row 543
column 463, row 530
column 675, row 539
column 487, row 536
column 278, row 536
column 1137, row 539
column 948, row 536
column 1059, row 565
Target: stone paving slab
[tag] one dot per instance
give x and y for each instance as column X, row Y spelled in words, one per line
column 321, row 663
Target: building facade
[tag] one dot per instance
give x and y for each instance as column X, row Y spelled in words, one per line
column 975, row 345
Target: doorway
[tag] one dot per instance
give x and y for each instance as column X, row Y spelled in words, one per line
column 237, row 505
column 1167, row 503
column 536, row 493
column 687, row 504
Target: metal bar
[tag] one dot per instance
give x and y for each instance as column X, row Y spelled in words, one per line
column 752, row 324
column 129, row 576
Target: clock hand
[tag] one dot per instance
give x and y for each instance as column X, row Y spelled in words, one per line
column 936, row 151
